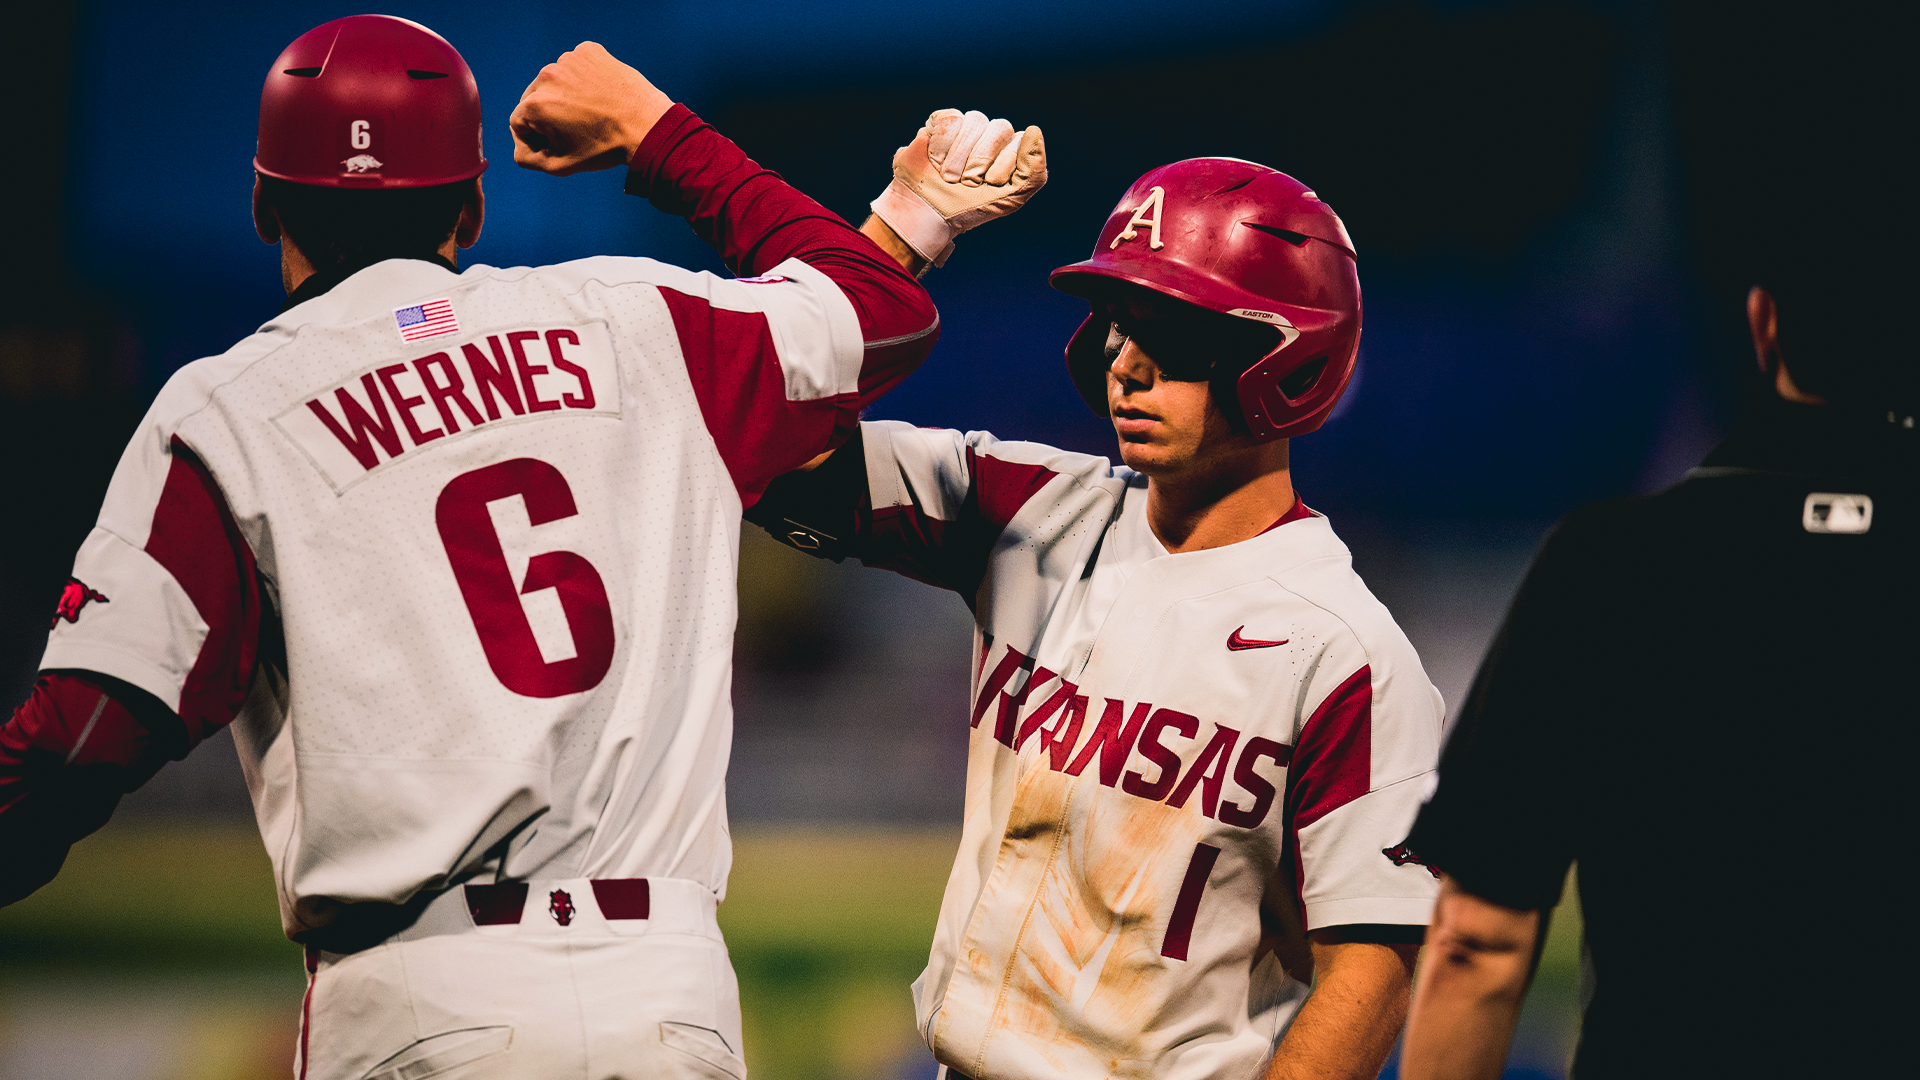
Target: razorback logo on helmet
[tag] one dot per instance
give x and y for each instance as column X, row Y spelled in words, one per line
column 1155, row 202
column 560, row 906
column 72, row 598
column 337, row 89
column 1401, row 855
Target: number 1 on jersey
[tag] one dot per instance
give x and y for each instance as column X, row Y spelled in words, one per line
column 1187, row 906
column 493, row 600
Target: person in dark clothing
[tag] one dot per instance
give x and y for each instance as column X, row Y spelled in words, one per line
column 1702, row 697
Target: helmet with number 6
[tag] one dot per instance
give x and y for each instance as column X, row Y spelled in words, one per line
column 1243, row 240
column 370, row 101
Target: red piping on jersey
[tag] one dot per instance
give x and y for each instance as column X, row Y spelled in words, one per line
column 306, row 1010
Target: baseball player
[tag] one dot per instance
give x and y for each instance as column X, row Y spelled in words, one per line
column 454, row 554
column 1197, row 740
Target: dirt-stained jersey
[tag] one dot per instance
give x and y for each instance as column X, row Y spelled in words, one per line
column 496, row 516
column 1180, row 763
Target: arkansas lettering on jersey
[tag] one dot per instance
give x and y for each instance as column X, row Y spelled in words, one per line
column 374, row 416
column 1057, row 722
column 1179, row 763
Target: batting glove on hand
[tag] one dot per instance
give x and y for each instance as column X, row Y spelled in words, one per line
column 959, row 171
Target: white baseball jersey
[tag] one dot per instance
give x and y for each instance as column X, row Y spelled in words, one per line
column 502, row 551
column 1180, row 763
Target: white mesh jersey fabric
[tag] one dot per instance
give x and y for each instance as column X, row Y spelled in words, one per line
column 421, row 734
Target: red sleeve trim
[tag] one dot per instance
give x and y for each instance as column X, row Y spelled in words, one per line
column 742, row 391
column 66, row 756
column 908, row 542
column 69, row 719
column 953, row 555
column 1332, row 765
column 1333, row 758
column 1003, row 487
column 195, row 539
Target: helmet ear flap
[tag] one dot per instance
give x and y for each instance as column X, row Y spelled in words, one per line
column 1089, row 353
column 1303, row 379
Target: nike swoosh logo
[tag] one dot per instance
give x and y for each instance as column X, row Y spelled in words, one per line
column 1236, row 642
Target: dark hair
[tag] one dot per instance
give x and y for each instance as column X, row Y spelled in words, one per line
column 347, row 228
column 1843, row 308
column 1825, row 215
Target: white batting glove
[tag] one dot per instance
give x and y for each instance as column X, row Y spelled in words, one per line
column 959, row 171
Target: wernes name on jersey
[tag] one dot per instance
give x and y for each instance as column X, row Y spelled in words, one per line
column 1058, row 720
column 354, row 427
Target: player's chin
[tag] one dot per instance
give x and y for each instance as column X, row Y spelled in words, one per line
column 1143, row 455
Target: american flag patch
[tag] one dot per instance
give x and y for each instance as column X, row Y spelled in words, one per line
column 431, row 319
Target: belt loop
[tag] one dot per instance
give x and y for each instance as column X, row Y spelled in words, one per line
column 623, row 898
column 496, row 905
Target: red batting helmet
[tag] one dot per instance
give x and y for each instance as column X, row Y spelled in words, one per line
column 1241, row 239
column 370, row 101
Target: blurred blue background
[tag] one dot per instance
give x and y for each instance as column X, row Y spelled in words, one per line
column 1545, row 195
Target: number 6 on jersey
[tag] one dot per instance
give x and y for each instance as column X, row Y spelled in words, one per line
column 480, row 566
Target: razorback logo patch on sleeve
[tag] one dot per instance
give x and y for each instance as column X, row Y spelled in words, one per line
column 1401, row 855
column 74, row 597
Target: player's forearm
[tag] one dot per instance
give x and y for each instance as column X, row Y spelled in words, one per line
column 1467, row 998
column 889, row 241
column 1349, row 1023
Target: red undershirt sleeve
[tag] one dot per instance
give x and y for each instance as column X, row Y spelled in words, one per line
column 94, row 727
column 756, row 221
column 926, row 503
column 66, row 757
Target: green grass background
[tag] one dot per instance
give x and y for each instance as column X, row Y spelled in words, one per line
column 827, row 927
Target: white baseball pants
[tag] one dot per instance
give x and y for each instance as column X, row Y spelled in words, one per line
column 561, row 993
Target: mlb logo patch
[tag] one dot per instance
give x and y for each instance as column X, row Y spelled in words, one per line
column 431, row 319
column 1833, row 512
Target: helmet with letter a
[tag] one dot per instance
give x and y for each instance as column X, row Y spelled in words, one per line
column 1246, row 241
column 370, row 101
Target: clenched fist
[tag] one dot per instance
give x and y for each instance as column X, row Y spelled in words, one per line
column 584, row 111
column 959, row 171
